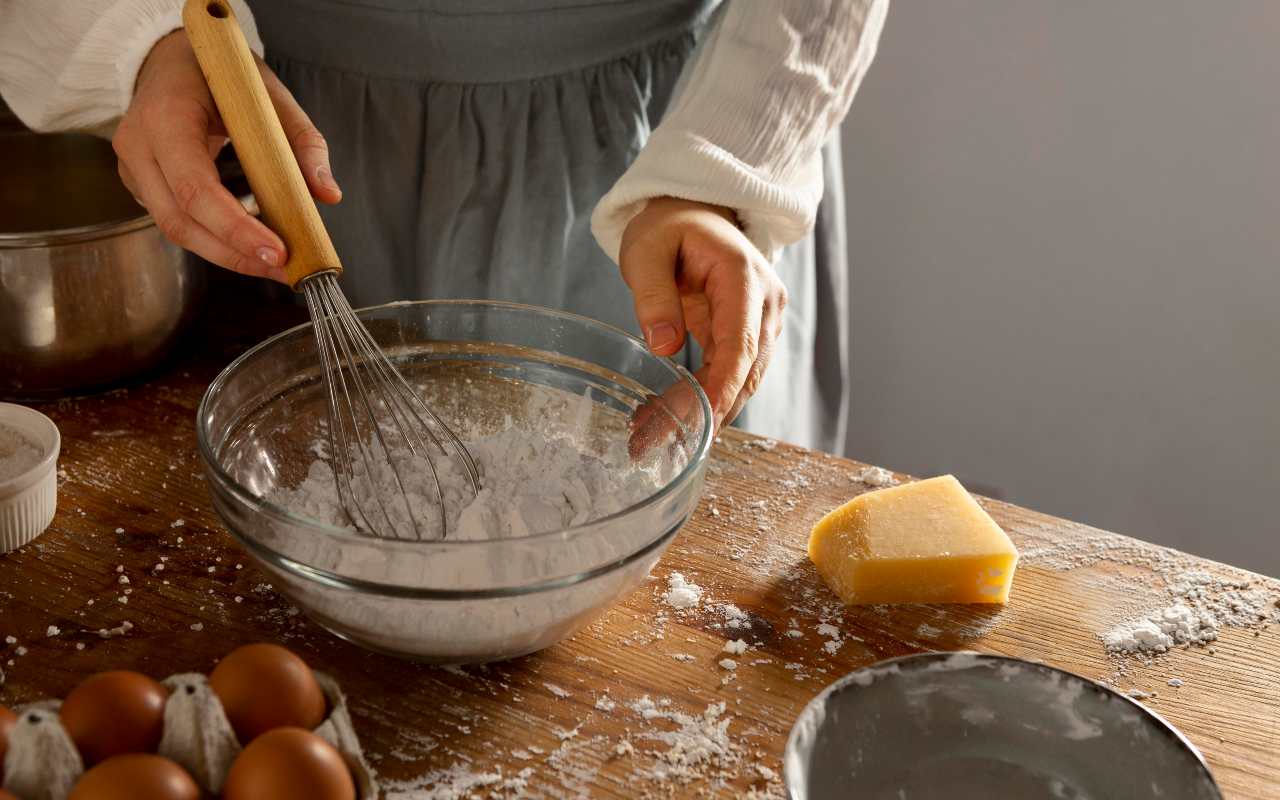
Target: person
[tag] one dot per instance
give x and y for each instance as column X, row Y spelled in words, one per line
column 656, row 164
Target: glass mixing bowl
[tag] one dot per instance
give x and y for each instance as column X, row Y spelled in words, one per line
column 483, row 366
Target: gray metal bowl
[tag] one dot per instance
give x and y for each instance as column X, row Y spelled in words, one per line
column 968, row 726
column 90, row 292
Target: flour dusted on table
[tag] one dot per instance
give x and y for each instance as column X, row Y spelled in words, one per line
column 681, row 593
column 531, row 482
column 1203, row 605
column 1161, row 630
column 17, row 453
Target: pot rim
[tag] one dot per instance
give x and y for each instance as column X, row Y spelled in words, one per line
column 83, row 233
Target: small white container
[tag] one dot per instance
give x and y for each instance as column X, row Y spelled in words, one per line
column 28, row 500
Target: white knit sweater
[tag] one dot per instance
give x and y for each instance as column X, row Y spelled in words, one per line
column 770, row 83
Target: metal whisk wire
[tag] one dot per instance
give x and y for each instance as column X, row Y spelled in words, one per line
column 359, row 381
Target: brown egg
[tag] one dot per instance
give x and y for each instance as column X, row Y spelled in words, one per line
column 7, row 720
column 289, row 764
column 264, row 686
column 114, row 712
column 136, row 776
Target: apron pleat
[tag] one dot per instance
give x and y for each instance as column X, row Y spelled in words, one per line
column 459, row 183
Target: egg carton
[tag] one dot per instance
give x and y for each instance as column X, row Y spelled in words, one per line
column 42, row 762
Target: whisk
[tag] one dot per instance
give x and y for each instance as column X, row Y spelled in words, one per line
column 379, row 426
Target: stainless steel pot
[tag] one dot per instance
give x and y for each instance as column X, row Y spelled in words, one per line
column 90, row 292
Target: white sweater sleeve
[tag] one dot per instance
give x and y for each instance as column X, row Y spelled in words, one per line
column 72, row 64
column 772, row 80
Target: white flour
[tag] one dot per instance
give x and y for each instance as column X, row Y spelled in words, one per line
column 876, row 476
column 530, row 483
column 681, row 594
column 1161, row 630
column 17, row 453
column 459, row 782
column 1203, row 604
column 698, row 746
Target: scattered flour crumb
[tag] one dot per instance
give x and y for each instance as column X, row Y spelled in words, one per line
column 119, row 630
column 734, row 617
column 699, row 746
column 1175, row 682
column 565, row 735
column 458, row 782
column 876, row 476
column 1161, row 630
column 556, row 690
column 52, row 630
column 728, row 663
column 736, row 647
column 681, row 594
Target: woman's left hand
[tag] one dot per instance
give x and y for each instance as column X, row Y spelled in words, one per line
column 692, row 271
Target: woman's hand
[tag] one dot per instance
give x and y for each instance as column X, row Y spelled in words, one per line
column 166, row 143
column 692, row 270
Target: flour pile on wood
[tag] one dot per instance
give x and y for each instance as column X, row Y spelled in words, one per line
column 681, row 593
column 1203, row 604
column 694, row 747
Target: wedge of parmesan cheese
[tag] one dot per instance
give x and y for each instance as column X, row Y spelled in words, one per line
column 922, row 542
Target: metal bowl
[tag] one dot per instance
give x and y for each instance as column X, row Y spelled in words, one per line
column 90, row 292
column 490, row 365
column 968, row 726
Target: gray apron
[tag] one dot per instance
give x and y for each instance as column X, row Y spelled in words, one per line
column 473, row 139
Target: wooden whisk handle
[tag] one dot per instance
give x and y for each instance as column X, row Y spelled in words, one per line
column 250, row 119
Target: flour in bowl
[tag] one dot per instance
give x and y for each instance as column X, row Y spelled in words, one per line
column 17, row 453
column 531, row 482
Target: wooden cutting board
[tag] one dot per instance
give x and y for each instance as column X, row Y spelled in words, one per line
column 635, row 705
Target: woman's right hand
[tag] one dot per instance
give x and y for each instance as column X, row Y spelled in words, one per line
column 166, row 144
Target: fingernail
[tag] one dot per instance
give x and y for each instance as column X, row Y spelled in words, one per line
column 661, row 336
column 269, row 255
column 325, row 177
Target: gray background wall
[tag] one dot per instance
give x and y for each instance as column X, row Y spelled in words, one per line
column 1064, row 223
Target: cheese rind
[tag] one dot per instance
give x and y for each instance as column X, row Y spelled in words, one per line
column 922, row 542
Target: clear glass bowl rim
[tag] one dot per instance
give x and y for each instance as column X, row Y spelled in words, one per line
column 700, row 453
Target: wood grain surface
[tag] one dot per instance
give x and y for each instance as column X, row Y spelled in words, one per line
column 570, row 721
